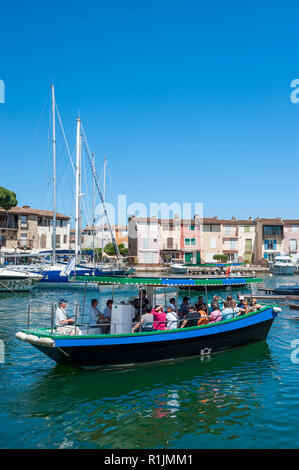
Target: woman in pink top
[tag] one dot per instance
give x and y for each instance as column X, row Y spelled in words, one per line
column 215, row 316
column 159, row 318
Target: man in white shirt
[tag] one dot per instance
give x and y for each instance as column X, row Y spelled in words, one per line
column 61, row 318
column 62, row 322
column 172, row 319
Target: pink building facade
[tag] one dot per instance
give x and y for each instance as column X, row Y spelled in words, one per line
column 291, row 237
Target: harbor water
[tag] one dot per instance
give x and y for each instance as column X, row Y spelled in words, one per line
column 246, row 398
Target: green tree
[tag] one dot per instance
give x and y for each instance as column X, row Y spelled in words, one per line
column 7, row 199
column 221, row 258
column 110, row 250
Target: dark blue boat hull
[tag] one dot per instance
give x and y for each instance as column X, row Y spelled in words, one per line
column 110, row 351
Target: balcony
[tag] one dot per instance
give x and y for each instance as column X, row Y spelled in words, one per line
column 9, row 226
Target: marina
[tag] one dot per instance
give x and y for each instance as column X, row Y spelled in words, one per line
column 149, row 231
column 223, row 389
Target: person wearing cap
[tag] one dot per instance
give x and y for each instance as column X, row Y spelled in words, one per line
column 61, row 318
column 241, row 301
column 64, row 324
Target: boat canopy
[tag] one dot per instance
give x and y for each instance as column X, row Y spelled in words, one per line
column 166, row 282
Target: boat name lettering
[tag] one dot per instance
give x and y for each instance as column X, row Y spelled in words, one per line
column 205, row 351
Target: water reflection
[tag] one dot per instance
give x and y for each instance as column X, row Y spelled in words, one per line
column 147, row 407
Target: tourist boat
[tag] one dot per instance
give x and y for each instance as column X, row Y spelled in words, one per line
column 17, row 281
column 122, row 348
column 283, row 265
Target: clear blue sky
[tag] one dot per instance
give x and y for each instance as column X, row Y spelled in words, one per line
column 190, row 101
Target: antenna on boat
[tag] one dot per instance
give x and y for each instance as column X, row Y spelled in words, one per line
column 54, row 177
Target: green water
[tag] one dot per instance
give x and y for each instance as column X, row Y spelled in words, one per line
column 245, row 398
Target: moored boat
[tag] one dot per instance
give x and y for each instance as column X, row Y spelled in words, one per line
column 283, row 265
column 122, row 348
column 14, row 280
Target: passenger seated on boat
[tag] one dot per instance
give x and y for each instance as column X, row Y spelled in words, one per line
column 159, row 318
column 244, row 309
column 215, row 316
column 146, row 323
column 107, row 316
column 200, row 305
column 172, row 319
column 136, row 304
column 191, row 318
column 254, row 305
column 241, row 301
column 216, row 303
column 204, row 318
column 228, row 312
column 172, row 304
column 229, row 301
column 64, row 324
column 184, row 308
column 95, row 317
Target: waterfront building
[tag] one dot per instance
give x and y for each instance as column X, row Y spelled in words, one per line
column 144, row 240
column 269, row 238
column 291, row 238
column 230, row 240
column 170, row 239
column 190, row 236
column 26, row 229
column 246, row 241
column 211, row 239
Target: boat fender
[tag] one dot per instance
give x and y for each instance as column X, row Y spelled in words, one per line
column 276, row 310
column 35, row 340
column 32, row 339
column 46, row 342
column 21, row 336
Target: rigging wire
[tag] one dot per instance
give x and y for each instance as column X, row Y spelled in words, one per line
column 94, row 172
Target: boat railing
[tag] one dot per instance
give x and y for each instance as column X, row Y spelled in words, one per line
column 46, row 312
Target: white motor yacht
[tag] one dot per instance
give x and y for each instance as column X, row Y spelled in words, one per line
column 284, row 265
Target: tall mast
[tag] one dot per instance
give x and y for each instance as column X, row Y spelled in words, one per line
column 78, row 194
column 104, row 199
column 54, row 177
column 93, row 210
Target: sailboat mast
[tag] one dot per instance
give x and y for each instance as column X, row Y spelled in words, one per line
column 104, row 199
column 78, row 194
column 93, row 210
column 54, row 177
